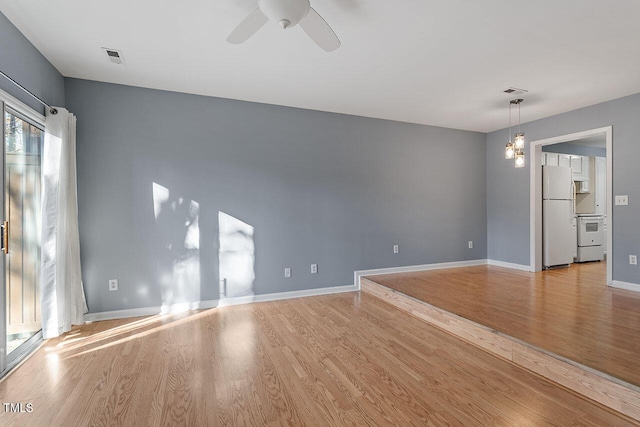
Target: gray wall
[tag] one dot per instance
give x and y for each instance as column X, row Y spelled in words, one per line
column 317, row 187
column 576, row 149
column 508, row 188
column 20, row 60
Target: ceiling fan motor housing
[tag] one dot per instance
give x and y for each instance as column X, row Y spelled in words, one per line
column 286, row 13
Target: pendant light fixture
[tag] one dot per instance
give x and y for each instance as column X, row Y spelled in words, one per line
column 509, row 150
column 519, row 139
column 515, row 149
column 519, row 158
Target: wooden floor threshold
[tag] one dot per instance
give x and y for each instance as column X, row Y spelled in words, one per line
column 602, row 388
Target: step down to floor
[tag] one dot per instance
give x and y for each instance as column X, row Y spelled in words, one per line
column 611, row 392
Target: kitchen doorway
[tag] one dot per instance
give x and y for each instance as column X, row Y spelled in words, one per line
column 540, row 156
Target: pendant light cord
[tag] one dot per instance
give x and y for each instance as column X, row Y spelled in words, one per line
column 509, row 122
column 519, row 118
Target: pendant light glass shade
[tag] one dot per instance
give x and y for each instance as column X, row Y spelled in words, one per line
column 519, row 158
column 519, row 141
column 509, row 151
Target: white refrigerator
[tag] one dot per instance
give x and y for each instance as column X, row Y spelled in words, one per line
column 557, row 216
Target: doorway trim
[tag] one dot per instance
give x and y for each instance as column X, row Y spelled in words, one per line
column 535, row 194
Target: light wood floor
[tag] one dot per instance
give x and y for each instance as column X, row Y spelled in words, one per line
column 346, row 359
column 569, row 311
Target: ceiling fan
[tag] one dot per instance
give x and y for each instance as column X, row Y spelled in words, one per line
column 287, row 14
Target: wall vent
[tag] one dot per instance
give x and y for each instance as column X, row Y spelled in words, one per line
column 515, row 91
column 113, row 55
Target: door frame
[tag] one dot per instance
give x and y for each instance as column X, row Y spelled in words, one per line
column 535, row 195
column 38, row 119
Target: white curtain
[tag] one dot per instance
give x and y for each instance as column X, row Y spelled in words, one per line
column 63, row 301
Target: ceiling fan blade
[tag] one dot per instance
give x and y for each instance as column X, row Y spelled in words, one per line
column 319, row 31
column 248, row 27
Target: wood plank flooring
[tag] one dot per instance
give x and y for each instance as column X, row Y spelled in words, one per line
column 569, row 312
column 344, row 359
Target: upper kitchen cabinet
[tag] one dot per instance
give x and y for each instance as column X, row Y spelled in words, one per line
column 576, row 165
column 579, row 164
column 581, row 168
column 554, row 159
column 585, row 196
column 550, row 159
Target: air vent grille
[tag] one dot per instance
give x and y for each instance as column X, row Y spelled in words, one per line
column 114, row 55
column 514, row 91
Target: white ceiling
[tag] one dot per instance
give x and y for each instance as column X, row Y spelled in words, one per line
column 442, row 63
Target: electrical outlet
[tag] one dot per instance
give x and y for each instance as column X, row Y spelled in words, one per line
column 314, row 268
column 395, row 249
column 633, row 259
column 287, row 272
column 113, row 284
column 622, row 200
column 470, row 244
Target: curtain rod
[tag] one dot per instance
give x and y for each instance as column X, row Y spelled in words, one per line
column 51, row 109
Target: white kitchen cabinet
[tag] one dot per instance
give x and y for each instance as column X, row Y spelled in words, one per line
column 552, row 159
column 585, row 196
column 579, row 164
column 564, row 160
column 579, row 167
column 583, row 187
column 576, row 165
column 586, row 169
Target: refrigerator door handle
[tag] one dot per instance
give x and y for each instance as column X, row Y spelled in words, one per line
column 573, row 198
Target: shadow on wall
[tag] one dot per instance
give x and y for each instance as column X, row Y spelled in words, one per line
column 179, row 276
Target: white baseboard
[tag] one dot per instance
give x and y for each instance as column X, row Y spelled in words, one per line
column 121, row 314
column 198, row 305
column 412, row 268
column 511, row 265
column 625, row 285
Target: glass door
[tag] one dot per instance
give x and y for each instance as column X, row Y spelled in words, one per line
column 21, row 232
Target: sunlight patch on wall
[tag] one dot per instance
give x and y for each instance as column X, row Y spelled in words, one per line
column 236, row 257
column 178, row 249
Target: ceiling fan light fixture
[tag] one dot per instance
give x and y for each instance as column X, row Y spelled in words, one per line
column 287, row 13
column 284, row 24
